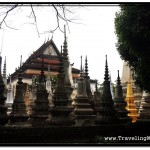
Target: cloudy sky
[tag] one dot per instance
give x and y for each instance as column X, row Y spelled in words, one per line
column 92, row 34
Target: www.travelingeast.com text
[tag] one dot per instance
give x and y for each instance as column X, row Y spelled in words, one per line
column 125, row 138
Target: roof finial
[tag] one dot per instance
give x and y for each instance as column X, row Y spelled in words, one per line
column 106, row 77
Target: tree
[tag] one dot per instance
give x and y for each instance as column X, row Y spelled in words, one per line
column 132, row 26
column 62, row 13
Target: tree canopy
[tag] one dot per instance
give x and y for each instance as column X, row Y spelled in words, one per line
column 132, row 26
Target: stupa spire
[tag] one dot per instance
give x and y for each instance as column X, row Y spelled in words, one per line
column 65, row 46
column 106, row 76
column 4, row 72
column 118, row 79
column 61, row 52
column 86, row 67
column 107, row 113
column 111, row 85
column 20, row 72
column 120, row 104
column 87, row 81
column 81, row 70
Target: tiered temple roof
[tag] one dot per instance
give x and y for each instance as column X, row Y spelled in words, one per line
column 51, row 56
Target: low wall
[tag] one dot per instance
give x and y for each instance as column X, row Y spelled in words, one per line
column 73, row 135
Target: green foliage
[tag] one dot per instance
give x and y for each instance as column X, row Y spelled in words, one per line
column 132, row 26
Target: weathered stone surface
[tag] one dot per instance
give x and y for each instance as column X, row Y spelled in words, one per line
column 84, row 112
column 40, row 111
column 97, row 99
column 120, row 104
column 61, row 109
column 18, row 116
column 106, row 113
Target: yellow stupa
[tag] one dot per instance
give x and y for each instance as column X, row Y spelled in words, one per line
column 133, row 113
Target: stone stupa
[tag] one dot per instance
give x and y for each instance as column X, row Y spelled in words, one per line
column 107, row 112
column 120, row 104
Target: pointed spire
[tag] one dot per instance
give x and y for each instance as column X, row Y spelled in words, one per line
column 106, row 76
column 118, row 79
column 86, row 67
column 65, row 49
column 61, row 52
column 20, row 74
column 118, row 90
column 61, row 70
column 4, row 72
column 1, row 79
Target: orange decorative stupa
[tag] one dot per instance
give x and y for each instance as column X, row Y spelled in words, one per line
column 130, row 102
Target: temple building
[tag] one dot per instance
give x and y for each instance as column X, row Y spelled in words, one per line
column 32, row 66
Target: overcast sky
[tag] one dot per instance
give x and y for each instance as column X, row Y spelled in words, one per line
column 93, row 35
